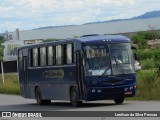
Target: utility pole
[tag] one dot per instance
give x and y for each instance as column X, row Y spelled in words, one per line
column 2, row 71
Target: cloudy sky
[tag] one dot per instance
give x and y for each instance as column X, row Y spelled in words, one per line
column 30, row 14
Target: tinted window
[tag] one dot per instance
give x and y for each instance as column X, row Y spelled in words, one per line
column 51, row 55
column 69, row 54
column 43, row 56
column 59, row 56
column 35, row 56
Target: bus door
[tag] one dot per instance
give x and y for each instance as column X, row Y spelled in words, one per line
column 80, row 74
column 23, row 73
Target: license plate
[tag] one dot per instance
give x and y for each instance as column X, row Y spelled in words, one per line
column 128, row 93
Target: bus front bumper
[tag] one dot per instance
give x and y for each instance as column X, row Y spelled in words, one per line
column 101, row 93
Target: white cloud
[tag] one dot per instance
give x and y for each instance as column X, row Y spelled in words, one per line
column 28, row 14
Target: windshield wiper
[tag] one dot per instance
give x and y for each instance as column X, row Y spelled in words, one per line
column 106, row 70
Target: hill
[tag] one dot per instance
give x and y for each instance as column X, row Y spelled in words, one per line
column 146, row 15
column 152, row 14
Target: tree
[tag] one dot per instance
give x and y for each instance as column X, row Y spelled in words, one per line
column 152, row 35
column 139, row 39
column 1, row 47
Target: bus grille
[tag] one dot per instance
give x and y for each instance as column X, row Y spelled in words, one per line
column 112, row 81
column 113, row 90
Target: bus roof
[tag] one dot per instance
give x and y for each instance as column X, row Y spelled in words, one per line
column 97, row 39
column 104, row 38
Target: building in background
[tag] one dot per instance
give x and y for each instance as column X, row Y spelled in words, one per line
column 24, row 37
column 10, row 50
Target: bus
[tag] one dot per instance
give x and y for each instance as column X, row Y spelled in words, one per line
column 88, row 68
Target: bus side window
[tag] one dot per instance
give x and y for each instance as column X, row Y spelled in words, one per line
column 51, row 55
column 69, row 54
column 30, row 58
column 43, row 56
column 35, row 56
column 59, row 55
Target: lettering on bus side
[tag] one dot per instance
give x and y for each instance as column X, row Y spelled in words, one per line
column 54, row 73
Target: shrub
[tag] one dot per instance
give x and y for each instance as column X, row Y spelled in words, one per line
column 147, row 85
column 148, row 64
column 148, row 54
column 11, row 85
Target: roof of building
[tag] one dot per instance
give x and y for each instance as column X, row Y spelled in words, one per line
column 115, row 27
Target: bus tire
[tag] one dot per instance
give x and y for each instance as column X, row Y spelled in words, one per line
column 39, row 99
column 74, row 97
column 119, row 100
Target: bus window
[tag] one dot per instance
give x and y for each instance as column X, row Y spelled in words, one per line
column 51, row 55
column 69, row 54
column 59, row 55
column 35, row 57
column 42, row 56
column 30, row 57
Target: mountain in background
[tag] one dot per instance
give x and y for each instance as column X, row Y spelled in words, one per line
column 146, row 15
column 152, row 14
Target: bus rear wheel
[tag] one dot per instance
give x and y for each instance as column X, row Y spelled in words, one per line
column 39, row 99
column 74, row 98
column 119, row 100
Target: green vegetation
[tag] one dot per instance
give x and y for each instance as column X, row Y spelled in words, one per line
column 50, row 39
column 148, row 79
column 141, row 38
column 11, row 85
column 147, row 86
column 75, row 36
column 1, row 47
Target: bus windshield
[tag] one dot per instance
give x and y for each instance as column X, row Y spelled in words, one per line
column 109, row 59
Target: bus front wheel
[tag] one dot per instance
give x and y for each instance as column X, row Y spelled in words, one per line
column 119, row 100
column 39, row 99
column 74, row 98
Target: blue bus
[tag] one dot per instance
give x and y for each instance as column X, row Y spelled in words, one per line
column 81, row 69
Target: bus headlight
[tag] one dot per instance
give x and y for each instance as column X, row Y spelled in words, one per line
column 99, row 91
column 131, row 88
column 126, row 89
column 93, row 90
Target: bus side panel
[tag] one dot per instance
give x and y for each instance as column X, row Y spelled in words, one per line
column 59, row 86
column 54, row 82
column 36, row 78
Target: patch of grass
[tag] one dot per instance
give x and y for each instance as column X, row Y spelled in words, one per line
column 11, row 85
column 147, row 86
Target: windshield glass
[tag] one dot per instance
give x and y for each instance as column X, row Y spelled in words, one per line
column 121, row 58
column 109, row 59
column 97, row 60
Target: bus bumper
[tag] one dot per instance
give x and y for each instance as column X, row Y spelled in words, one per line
column 101, row 93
